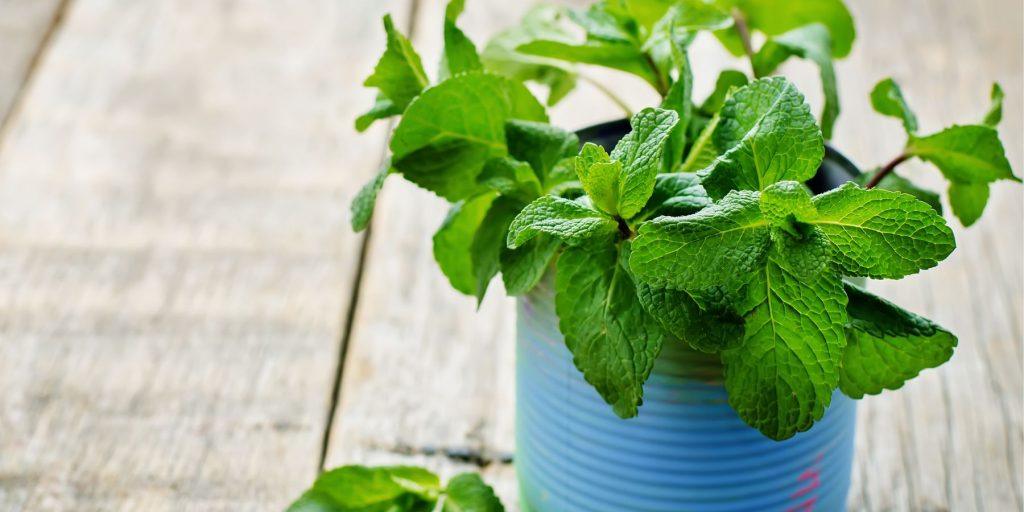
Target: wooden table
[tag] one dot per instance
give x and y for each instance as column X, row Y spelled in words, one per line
column 187, row 323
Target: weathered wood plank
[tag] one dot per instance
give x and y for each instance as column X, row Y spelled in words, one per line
column 176, row 258
column 24, row 27
column 425, row 370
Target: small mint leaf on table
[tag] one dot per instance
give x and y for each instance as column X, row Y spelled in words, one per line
column 887, row 99
column 613, row 340
column 768, row 134
column 398, row 76
column 450, row 131
column 887, row 345
column 880, row 233
column 364, row 488
column 454, row 239
column 780, row 380
column 642, row 153
column 565, row 219
column 362, row 205
column 727, row 239
column 811, row 42
column 467, row 492
column 459, row 52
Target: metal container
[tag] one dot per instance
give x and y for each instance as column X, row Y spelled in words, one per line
column 687, row 450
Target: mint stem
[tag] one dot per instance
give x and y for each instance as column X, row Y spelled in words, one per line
column 662, row 84
column 744, row 32
column 608, row 92
column 884, row 171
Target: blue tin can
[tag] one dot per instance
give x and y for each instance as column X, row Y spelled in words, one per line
column 687, row 450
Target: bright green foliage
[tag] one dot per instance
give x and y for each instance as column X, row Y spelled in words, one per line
column 488, row 241
column 727, row 81
column 613, row 340
column 880, row 233
column 467, row 492
column 711, row 327
column 968, row 200
column 364, row 489
column 887, row 98
column 675, row 194
column 459, row 52
column 511, row 177
column 599, row 175
column 541, row 145
column 570, row 221
column 774, row 17
column 780, row 380
column 540, row 23
column 768, row 134
column 728, row 238
column 786, row 202
column 454, row 240
column 700, row 15
column 642, row 154
column 399, row 77
column 395, row 489
column 450, row 131
column 897, row 183
column 522, row 268
column 995, row 112
column 362, row 205
column 811, row 42
column 887, row 345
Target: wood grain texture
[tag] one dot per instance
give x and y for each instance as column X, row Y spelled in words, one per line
column 24, row 29
column 176, row 258
column 424, row 370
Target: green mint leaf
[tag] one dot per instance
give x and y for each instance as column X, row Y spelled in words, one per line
column 612, row 54
column 565, row 219
column 363, row 488
column 599, row 176
column 675, row 194
column 522, row 268
column 727, row 81
column 454, row 239
column 451, row 130
column 887, row 99
column 785, row 203
column 769, row 135
column 968, row 154
column 709, row 248
column 811, row 42
column 680, row 100
column 642, row 153
column 703, row 152
column 489, row 239
column 887, row 345
column 511, row 178
column 880, row 233
column 542, row 22
column 780, row 380
column 968, row 201
column 995, row 112
column 677, row 312
column 774, row 17
column 607, row 21
column 541, row 145
column 459, row 52
column 366, row 198
column 613, row 340
column 897, row 183
column 399, row 77
column 467, row 492
column 699, row 15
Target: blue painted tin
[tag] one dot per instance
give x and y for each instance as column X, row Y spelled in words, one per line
column 686, row 451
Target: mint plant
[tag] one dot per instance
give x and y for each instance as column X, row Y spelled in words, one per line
column 395, row 489
column 697, row 227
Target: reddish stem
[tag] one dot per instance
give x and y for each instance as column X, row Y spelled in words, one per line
column 884, row 171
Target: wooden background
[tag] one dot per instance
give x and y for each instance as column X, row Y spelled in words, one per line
column 187, row 323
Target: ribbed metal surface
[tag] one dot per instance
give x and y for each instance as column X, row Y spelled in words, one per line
column 686, row 451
